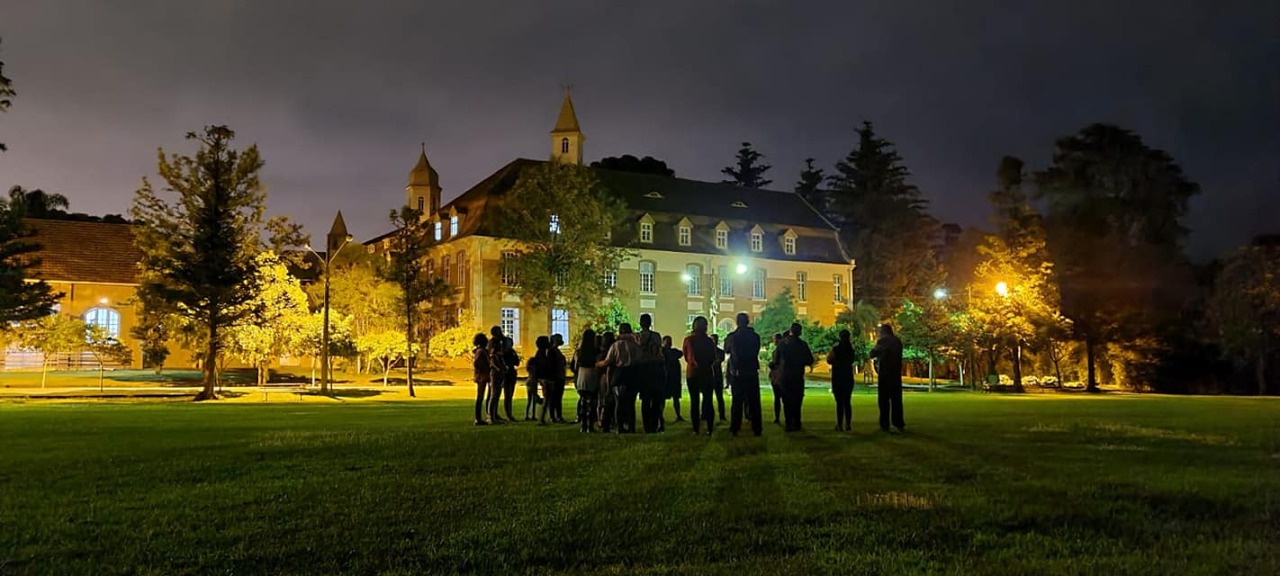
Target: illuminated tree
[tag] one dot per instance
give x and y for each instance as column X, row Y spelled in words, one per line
column 51, row 335
column 409, row 245
column 925, row 328
column 360, row 291
column 341, row 341
column 1245, row 307
column 387, row 348
column 612, row 315
column 276, row 320
column 561, row 218
column 105, row 348
column 456, row 341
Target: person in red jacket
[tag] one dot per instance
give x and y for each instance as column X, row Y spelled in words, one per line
column 699, row 358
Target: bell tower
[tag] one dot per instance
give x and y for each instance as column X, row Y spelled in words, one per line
column 567, row 137
column 423, row 191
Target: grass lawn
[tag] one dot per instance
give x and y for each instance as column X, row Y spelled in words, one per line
column 980, row 484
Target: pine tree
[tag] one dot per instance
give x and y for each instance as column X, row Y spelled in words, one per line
column 809, row 186
column 409, row 246
column 884, row 223
column 749, row 172
column 199, row 250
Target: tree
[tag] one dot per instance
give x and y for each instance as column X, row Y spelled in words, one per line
column 6, row 96
column 612, row 315
column 387, row 348
column 51, row 335
column 409, row 246
column 1245, row 307
column 925, row 329
column 883, row 221
column 152, row 332
column 561, row 217
column 341, row 340
column 105, row 348
column 22, row 295
column 199, row 250
column 456, row 341
column 359, row 290
column 37, row 203
column 809, row 186
column 748, row 172
column 276, row 320
column 629, row 163
column 1114, row 221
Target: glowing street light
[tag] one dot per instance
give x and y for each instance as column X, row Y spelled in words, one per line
column 1002, row 289
column 686, row 278
column 741, row 268
column 940, row 294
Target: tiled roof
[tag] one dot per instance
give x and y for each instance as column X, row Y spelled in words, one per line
column 668, row 200
column 92, row 252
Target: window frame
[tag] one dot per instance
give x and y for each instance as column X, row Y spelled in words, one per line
column 453, row 225
column 560, row 317
column 693, row 288
column 802, row 286
column 759, row 284
column 685, row 235
column 837, row 285
column 438, row 228
column 757, row 242
column 510, row 324
column 651, row 276
column 722, row 239
column 111, row 322
column 646, row 232
column 789, row 245
column 507, row 276
column 726, row 283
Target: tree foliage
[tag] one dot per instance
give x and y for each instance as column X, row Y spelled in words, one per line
column 105, row 348
column 37, row 203
column 454, row 342
column 1114, row 220
column 199, row 249
column 22, row 296
column 629, row 163
column 1245, row 307
column 359, row 290
column 6, row 95
column 610, row 316
column 561, row 217
column 809, row 186
column 51, row 335
column 747, row 171
column 387, row 348
column 924, row 329
column 777, row 315
column 884, row 223
column 277, row 317
column 410, row 244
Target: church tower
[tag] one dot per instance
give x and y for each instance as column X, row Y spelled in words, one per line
column 567, row 137
column 423, row 191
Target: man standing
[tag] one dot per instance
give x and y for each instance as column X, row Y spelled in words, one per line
column 795, row 357
column 651, row 375
column 699, row 355
column 888, row 351
column 743, row 349
column 621, row 359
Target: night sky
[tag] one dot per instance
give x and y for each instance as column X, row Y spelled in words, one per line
column 338, row 95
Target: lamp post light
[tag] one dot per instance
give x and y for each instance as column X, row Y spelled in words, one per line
column 1002, row 288
column 712, row 275
column 335, row 241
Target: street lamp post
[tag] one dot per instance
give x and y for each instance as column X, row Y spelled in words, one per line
column 1002, row 289
column 712, row 274
column 335, row 241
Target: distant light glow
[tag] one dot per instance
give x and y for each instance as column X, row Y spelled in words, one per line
column 940, row 294
column 686, row 278
column 1002, row 289
column 103, row 300
column 741, row 268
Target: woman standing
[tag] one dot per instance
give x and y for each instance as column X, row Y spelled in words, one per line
column 480, row 371
column 534, row 370
column 604, row 399
column 558, row 364
column 775, row 379
column 586, row 380
column 841, row 360
column 671, row 357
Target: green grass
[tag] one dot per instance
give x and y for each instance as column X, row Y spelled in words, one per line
column 981, row 484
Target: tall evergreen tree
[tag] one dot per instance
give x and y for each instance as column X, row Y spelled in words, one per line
column 629, row 163
column 1115, row 228
column 749, row 171
column 37, row 203
column 809, row 186
column 884, row 223
column 409, row 246
column 199, row 250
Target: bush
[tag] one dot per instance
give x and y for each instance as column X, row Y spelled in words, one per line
column 1005, row 380
column 454, row 342
column 1049, row 382
column 1030, row 381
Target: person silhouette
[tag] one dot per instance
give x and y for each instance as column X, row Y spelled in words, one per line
column 481, row 374
column 795, row 358
column 841, row 360
column 742, row 347
column 717, row 376
column 699, row 355
column 888, row 351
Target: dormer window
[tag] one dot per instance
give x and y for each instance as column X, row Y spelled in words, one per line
column 439, row 230
column 738, row 204
column 646, row 229
column 722, row 236
column 789, row 242
column 757, row 239
column 453, row 225
column 684, row 232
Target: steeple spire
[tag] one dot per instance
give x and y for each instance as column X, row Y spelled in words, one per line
column 423, row 190
column 567, row 137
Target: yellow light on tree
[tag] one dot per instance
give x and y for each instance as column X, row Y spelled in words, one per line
column 1002, row 289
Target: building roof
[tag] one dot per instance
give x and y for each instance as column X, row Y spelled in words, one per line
column 667, row 201
column 423, row 174
column 568, row 119
column 89, row 252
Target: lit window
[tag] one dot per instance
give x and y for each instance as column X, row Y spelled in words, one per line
column 453, row 225
column 446, row 269
column 757, row 242
column 510, row 323
column 560, row 322
column 686, row 235
column 757, row 284
column 439, row 228
column 105, row 318
column 646, row 277
column 693, row 279
column 422, row 204
column 610, row 279
column 564, row 145
column 789, row 245
column 726, row 282
column 802, row 286
column 722, row 239
column 508, row 269
column 646, row 232
column 837, row 283
column 555, row 223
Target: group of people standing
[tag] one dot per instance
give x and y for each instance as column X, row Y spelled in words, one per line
column 610, row 372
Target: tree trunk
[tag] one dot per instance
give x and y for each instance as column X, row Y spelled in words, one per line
column 408, row 352
column 100, row 376
column 1091, row 362
column 1260, row 372
column 313, row 371
column 44, row 369
column 210, row 363
column 386, row 370
column 1017, row 367
column 933, row 385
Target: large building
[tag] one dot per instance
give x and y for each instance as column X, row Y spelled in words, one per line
column 701, row 248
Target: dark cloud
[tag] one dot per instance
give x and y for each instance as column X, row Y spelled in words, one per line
column 338, row 95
